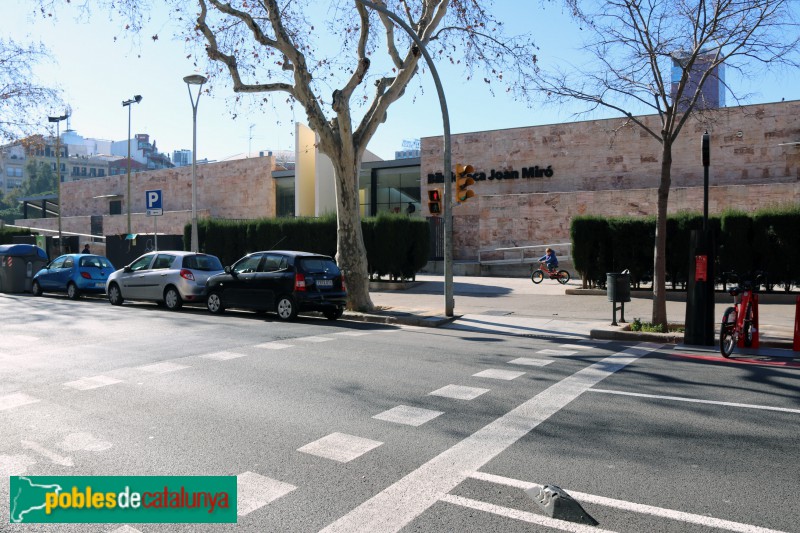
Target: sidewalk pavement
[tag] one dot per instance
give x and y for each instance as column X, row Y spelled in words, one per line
column 517, row 306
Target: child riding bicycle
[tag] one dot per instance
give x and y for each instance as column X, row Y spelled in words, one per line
column 549, row 259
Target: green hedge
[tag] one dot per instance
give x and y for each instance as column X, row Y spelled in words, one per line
column 767, row 240
column 397, row 246
column 7, row 234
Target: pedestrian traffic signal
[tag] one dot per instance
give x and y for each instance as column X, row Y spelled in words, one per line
column 463, row 182
column 435, row 201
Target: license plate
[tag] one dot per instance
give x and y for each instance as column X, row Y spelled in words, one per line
column 325, row 283
column 100, row 284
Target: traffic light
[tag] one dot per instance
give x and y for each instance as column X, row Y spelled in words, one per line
column 435, row 201
column 463, row 182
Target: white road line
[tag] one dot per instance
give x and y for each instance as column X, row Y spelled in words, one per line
column 18, row 399
column 352, row 333
column 695, row 400
column 660, row 512
column 94, row 382
column 162, row 368
column 399, row 504
column 458, row 392
column 528, row 361
column 550, row 351
column 274, row 345
column 255, row 491
column 494, row 373
column 340, row 447
column 410, row 416
column 522, row 516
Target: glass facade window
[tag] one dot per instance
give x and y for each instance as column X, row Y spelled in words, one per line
column 284, row 197
column 396, row 189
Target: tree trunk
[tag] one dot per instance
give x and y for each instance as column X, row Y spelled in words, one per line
column 351, row 255
column 659, row 257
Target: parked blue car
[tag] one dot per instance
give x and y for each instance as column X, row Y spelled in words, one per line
column 74, row 274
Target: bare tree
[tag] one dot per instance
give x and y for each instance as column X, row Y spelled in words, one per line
column 636, row 44
column 24, row 102
column 269, row 48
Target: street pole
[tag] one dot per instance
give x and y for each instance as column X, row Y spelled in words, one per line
column 449, row 303
column 194, row 79
column 127, row 103
column 58, row 120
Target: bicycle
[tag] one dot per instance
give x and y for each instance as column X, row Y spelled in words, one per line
column 538, row 275
column 735, row 323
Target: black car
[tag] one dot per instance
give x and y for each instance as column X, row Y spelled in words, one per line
column 286, row 282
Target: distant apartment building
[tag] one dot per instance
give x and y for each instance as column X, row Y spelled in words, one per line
column 712, row 95
column 182, row 158
column 143, row 151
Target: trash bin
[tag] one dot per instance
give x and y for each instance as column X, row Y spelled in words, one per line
column 18, row 264
column 618, row 287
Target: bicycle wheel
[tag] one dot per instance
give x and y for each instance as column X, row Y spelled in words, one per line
column 563, row 277
column 747, row 326
column 537, row 276
column 727, row 335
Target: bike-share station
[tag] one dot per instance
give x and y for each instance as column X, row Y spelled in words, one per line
column 739, row 326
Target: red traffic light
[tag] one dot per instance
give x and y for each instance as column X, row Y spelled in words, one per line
column 435, row 201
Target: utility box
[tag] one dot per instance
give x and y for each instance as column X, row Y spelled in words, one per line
column 18, row 264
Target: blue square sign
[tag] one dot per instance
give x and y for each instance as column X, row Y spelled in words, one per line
column 152, row 200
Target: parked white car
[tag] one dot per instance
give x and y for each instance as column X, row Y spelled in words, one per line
column 171, row 277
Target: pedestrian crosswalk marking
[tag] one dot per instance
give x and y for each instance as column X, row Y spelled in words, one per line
column 162, row 368
column 94, row 382
column 340, row 447
column 494, row 373
column 458, row 392
column 317, row 338
column 274, row 345
column 410, row 416
column 530, row 361
column 352, row 333
column 254, row 491
column 18, row 399
column 223, row 356
column 550, row 351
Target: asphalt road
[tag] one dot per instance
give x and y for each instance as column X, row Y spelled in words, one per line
column 348, row 426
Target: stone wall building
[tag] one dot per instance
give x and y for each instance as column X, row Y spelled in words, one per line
column 530, row 182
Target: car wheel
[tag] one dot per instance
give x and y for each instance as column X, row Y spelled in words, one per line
column 115, row 295
column 172, row 299
column 286, row 308
column 36, row 289
column 72, row 291
column 333, row 314
column 214, row 303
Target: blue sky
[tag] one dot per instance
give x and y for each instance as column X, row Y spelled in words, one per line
column 97, row 73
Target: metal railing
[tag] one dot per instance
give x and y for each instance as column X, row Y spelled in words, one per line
column 519, row 253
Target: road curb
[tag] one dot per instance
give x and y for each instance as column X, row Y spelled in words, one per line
column 399, row 319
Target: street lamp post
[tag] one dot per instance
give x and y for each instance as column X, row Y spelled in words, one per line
column 127, row 103
column 58, row 120
column 194, row 79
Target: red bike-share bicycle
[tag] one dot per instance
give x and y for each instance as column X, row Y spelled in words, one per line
column 739, row 321
column 538, row 275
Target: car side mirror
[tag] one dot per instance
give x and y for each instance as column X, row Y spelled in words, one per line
column 228, row 270
column 127, row 268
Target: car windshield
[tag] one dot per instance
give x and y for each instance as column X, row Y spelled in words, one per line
column 202, row 262
column 318, row 265
column 95, row 262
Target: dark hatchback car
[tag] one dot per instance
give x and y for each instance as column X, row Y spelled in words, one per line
column 285, row 282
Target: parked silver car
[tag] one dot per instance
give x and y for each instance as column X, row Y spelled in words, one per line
column 171, row 277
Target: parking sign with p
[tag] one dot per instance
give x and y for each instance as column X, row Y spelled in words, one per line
column 153, row 203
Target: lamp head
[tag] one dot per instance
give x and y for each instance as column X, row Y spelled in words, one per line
column 138, row 98
column 195, row 79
